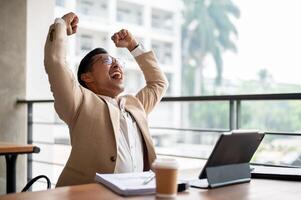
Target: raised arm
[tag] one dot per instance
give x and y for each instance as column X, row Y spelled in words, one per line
column 156, row 82
column 64, row 87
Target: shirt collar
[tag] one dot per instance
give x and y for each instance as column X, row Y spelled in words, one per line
column 119, row 103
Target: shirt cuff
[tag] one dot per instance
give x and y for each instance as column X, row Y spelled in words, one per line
column 138, row 51
column 59, row 21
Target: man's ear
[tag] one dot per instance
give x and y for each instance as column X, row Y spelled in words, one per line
column 86, row 77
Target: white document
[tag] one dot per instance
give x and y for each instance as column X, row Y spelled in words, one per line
column 128, row 184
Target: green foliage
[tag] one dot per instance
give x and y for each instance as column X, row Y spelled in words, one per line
column 206, row 32
column 284, row 115
column 213, row 115
column 272, row 115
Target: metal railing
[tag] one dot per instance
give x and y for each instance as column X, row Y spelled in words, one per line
column 234, row 113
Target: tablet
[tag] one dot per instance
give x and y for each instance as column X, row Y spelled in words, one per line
column 232, row 152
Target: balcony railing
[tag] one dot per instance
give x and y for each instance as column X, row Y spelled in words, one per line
column 234, row 122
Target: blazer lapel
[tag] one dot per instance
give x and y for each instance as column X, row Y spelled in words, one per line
column 142, row 124
column 115, row 118
column 140, row 121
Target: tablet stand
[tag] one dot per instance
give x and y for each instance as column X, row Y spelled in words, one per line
column 228, row 174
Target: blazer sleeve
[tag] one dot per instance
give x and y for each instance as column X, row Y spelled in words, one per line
column 64, row 87
column 156, row 82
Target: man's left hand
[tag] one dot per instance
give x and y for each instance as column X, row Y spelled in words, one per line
column 124, row 38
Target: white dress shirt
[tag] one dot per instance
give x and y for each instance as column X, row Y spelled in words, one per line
column 129, row 141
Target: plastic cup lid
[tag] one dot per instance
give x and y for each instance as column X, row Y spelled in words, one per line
column 167, row 163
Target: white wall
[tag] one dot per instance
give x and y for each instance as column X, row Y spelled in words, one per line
column 12, row 83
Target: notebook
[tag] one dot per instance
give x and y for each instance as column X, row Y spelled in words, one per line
column 128, row 184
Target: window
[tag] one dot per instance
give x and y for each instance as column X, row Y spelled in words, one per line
column 134, row 81
column 218, row 47
column 85, row 7
column 88, row 40
column 60, row 3
column 162, row 20
column 92, row 8
column 129, row 13
column 86, row 43
column 163, row 51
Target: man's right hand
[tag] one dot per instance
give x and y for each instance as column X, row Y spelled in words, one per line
column 71, row 21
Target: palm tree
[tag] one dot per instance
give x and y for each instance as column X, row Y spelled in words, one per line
column 206, row 32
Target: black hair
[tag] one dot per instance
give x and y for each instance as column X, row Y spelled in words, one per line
column 85, row 63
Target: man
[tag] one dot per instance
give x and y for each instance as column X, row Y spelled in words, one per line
column 109, row 133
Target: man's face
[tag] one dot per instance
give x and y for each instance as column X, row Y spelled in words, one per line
column 107, row 75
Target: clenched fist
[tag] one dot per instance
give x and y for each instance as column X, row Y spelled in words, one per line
column 71, row 21
column 124, row 38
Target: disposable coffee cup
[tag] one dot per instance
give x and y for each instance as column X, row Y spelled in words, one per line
column 166, row 171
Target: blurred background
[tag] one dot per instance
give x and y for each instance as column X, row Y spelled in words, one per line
column 205, row 47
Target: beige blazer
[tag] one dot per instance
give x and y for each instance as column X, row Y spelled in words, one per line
column 94, row 123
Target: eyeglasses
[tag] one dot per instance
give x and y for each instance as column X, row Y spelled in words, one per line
column 109, row 60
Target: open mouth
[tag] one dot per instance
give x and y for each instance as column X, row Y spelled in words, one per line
column 116, row 75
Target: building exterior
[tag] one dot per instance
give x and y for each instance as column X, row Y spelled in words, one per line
column 155, row 24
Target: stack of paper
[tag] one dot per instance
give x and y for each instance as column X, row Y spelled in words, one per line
column 128, row 184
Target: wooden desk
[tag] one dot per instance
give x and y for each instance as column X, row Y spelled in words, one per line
column 257, row 189
column 11, row 152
